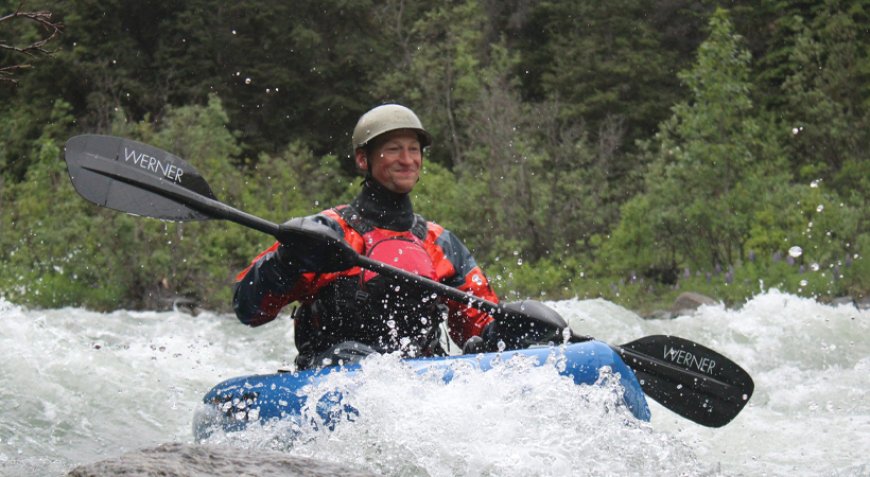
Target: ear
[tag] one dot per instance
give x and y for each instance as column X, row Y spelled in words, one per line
column 362, row 161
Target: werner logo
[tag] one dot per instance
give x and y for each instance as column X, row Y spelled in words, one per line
column 152, row 164
column 689, row 360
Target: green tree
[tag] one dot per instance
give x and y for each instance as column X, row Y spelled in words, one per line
column 286, row 71
column 190, row 259
column 441, row 80
column 605, row 61
column 46, row 261
column 826, row 91
column 710, row 161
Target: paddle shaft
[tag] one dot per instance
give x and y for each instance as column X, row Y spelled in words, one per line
column 219, row 210
column 429, row 285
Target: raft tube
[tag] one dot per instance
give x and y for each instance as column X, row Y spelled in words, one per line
column 237, row 402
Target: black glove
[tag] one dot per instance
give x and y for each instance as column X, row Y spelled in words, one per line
column 314, row 247
column 474, row 345
column 522, row 324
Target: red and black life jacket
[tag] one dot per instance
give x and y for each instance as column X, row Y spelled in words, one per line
column 375, row 310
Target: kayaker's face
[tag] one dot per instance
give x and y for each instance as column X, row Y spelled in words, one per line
column 395, row 160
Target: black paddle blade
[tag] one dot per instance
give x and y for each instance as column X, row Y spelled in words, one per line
column 689, row 379
column 103, row 169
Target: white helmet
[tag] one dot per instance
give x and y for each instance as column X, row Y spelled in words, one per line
column 386, row 118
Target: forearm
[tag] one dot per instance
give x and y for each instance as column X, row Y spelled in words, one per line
column 276, row 278
column 264, row 289
column 464, row 321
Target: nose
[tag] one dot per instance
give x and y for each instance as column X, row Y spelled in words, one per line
column 406, row 155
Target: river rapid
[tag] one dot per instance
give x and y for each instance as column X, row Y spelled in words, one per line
column 78, row 387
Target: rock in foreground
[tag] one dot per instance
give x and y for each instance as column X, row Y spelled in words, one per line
column 212, row 461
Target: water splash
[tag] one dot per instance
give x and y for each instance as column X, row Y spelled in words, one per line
column 518, row 419
column 146, row 374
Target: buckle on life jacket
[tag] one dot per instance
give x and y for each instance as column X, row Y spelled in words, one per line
column 361, row 296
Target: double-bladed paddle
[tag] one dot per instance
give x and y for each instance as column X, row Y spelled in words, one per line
column 687, row 378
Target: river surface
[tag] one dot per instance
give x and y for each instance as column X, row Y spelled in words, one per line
column 78, row 387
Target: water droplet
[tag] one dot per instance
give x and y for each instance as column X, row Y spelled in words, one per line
column 795, row 251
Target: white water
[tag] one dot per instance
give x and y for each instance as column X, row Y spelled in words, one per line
column 78, row 386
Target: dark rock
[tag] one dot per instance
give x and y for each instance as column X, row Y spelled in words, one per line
column 185, row 305
column 659, row 315
column 843, row 300
column 212, row 461
column 688, row 302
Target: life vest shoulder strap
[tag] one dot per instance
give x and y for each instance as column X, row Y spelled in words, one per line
column 354, row 219
column 420, row 229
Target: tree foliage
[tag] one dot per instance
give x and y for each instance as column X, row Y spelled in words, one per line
column 700, row 183
column 719, row 187
column 570, row 155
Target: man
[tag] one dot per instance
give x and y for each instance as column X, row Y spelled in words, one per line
column 348, row 314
